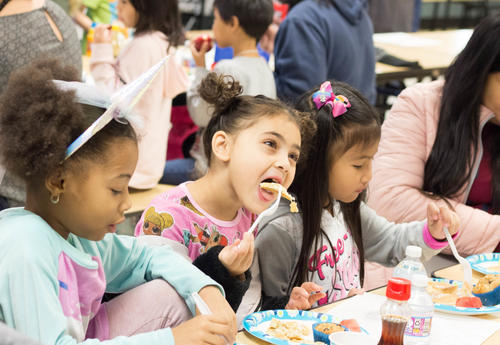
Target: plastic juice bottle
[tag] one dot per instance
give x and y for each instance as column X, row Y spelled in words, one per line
column 395, row 311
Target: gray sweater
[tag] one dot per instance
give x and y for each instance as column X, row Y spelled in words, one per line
column 279, row 241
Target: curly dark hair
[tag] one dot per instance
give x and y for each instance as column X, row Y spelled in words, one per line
column 233, row 112
column 38, row 121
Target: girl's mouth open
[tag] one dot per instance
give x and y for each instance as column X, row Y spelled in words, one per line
column 265, row 195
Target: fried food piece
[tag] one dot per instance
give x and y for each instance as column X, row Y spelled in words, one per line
column 275, row 187
column 487, row 283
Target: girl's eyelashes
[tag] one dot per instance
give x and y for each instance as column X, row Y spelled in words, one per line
column 271, row 143
column 116, row 191
column 294, row 157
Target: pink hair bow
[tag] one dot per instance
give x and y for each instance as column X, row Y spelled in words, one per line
column 325, row 95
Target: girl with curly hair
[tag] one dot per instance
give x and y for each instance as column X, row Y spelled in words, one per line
column 60, row 253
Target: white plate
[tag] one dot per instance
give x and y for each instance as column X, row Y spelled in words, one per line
column 485, row 263
column 451, row 309
column 257, row 323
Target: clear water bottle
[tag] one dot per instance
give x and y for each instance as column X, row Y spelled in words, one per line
column 418, row 328
column 411, row 264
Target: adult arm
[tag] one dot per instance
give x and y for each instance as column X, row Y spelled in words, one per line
column 395, row 191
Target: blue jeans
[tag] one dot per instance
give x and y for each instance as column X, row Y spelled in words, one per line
column 178, row 171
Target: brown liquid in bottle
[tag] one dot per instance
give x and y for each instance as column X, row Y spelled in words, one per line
column 393, row 328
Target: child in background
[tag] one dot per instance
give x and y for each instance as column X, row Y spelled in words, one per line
column 65, row 255
column 335, row 231
column 249, row 140
column 158, row 30
column 238, row 24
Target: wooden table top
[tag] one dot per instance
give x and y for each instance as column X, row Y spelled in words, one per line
column 434, row 50
column 453, row 272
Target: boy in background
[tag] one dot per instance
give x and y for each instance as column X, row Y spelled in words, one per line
column 238, row 24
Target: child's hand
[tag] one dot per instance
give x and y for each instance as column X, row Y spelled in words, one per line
column 437, row 218
column 203, row 329
column 102, row 33
column 199, row 55
column 305, row 296
column 220, row 307
column 354, row 292
column 238, row 257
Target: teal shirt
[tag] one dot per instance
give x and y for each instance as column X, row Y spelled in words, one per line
column 41, row 272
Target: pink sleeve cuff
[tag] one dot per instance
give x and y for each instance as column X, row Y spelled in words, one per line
column 432, row 242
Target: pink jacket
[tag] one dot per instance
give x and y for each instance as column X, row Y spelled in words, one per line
column 154, row 107
column 408, row 135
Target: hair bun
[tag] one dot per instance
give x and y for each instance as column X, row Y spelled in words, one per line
column 219, row 90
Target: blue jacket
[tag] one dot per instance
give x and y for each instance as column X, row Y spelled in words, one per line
column 325, row 39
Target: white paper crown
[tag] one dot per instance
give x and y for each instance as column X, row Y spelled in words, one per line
column 118, row 106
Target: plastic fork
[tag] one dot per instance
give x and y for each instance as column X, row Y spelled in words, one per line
column 204, row 309
column 270, row 210
column 465, row 264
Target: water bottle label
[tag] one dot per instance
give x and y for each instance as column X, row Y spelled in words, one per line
column 419, row 326
column 413, row 268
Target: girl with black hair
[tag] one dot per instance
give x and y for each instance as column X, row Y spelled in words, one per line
column 441, row 141
column 327, row 242
column 158, row 30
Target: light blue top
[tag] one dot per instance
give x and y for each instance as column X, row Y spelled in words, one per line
column 43, row 276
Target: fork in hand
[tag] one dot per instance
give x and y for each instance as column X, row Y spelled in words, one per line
column 270, row 210
column 465, row 264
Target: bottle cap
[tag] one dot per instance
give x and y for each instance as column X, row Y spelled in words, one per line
column 398, row 289
column 413, row 251
column 419, row 280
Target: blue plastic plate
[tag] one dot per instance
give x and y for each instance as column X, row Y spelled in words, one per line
column 451, row 309
column 485, row 263
column 257, row 323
